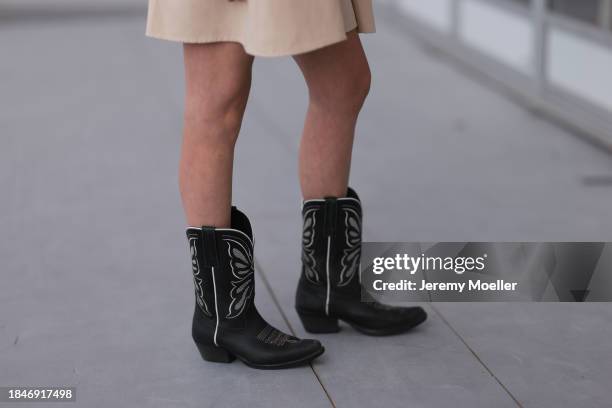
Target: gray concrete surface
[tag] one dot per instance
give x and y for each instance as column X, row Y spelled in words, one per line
column 95, row 288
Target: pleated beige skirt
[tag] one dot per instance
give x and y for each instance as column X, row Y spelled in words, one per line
column 264, row 27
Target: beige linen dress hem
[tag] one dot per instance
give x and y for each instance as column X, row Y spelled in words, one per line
column 266, row 28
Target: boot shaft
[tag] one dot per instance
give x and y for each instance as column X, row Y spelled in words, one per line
column 331, row 242
column 223, row 270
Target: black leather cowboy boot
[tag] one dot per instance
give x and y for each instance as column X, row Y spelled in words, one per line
column 226, row 323
column 329, row 287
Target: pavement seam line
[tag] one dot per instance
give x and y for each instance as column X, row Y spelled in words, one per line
column 476, row 356
column 266, row 283
column 268, row 122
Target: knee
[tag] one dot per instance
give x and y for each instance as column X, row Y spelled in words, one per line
column 347, row 93
column 215, row 114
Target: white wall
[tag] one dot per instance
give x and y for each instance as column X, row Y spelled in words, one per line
column 497, row 33
column 581, row 67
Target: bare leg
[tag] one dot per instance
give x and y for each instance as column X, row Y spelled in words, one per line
column 218, row 81
column 338, row 79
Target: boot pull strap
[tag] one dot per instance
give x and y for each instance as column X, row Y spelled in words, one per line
column 330, row 211
column 209, row 244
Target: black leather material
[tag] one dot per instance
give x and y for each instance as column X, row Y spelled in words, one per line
column 329, row 286
column 225, row 317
